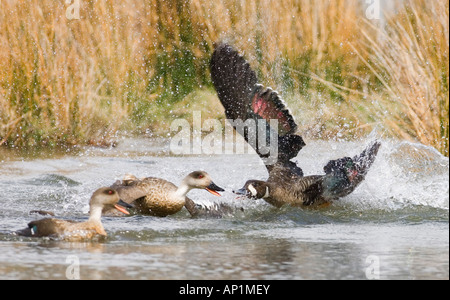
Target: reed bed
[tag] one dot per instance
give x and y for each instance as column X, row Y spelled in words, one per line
column 411, row 60
column 135, row 65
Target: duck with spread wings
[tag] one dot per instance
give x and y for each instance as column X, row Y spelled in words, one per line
column 244, row 98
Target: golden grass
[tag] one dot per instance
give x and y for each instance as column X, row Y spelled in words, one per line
column 411, row 59
column 64, row 80
column 132, row 65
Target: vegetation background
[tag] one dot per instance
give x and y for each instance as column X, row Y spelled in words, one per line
column 131, row 66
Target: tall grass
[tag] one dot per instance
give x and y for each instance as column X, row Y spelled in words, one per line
column 136, row 65
column 411, row 59
column 66, row 81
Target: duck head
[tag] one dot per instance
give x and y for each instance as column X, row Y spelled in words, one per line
column 105, row 198
column 254, row 189
column 202, row 180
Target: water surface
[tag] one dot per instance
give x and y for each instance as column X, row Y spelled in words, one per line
column 394, row 226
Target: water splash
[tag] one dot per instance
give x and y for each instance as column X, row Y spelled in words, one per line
column 405, row 177
column 405, row 174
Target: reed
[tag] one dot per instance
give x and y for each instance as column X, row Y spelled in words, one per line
column 61, row 80
column 135, row 65
column 411, row 59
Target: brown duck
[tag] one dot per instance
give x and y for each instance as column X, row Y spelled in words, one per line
column 159, row 197
column 341, row 177
column 103, row 198
column 245, row 99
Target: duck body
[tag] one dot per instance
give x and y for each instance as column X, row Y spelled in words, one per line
column 78, row 231
column 161, row 204
column 66, row 230
column 245, row 99
column 341, row 178
column 161, row 198
column 296, row 192
column 152, row 196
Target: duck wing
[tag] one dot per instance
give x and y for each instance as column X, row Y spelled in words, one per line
column 130, row 192
column 247, row 102
column 132, row 188
column 215, row 211
column 343, row 175
column 45, row 227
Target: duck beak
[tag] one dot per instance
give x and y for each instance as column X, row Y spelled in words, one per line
column 122, row 205
column 242, row 192
column 214, row 189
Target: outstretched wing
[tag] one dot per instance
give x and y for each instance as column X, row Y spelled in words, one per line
column 234, row 81
column 364, row 161
column 343, row 175
column 360, row 164
column 244, row 99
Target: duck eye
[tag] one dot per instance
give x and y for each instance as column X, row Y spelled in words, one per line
column 200, row 176
column 110, row 192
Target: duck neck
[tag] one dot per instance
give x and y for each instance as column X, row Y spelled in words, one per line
column 182, row 190
column 95, row 214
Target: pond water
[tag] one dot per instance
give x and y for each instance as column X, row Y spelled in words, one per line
column 394, row 226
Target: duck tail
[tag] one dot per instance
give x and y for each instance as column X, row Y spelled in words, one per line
column 24, row 232
column 29, row 231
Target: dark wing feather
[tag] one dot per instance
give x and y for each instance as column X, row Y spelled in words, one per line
column 312, row 192
column 360, row 163
column 345, row 174
column 366, row 158
column 234, row 81
column 244, row 99
column 267, row 104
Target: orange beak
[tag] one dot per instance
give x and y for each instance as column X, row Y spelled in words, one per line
column 120, row 206
column 121, row 209
column 213, row 192
column 214, row 189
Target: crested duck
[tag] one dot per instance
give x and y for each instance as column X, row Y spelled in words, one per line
column 244, row 98
column 74, row 231
column 159, row 197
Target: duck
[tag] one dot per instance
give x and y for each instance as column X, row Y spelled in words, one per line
column 244, row 98
column 69, row 230
column 340, row 179
column 159, row 197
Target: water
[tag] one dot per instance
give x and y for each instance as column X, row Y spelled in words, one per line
column 394, row 226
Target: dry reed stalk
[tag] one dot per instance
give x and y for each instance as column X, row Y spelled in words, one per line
column 411, row 60
column 125, row 64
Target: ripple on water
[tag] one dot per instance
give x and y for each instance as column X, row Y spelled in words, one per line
column 399, row 213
